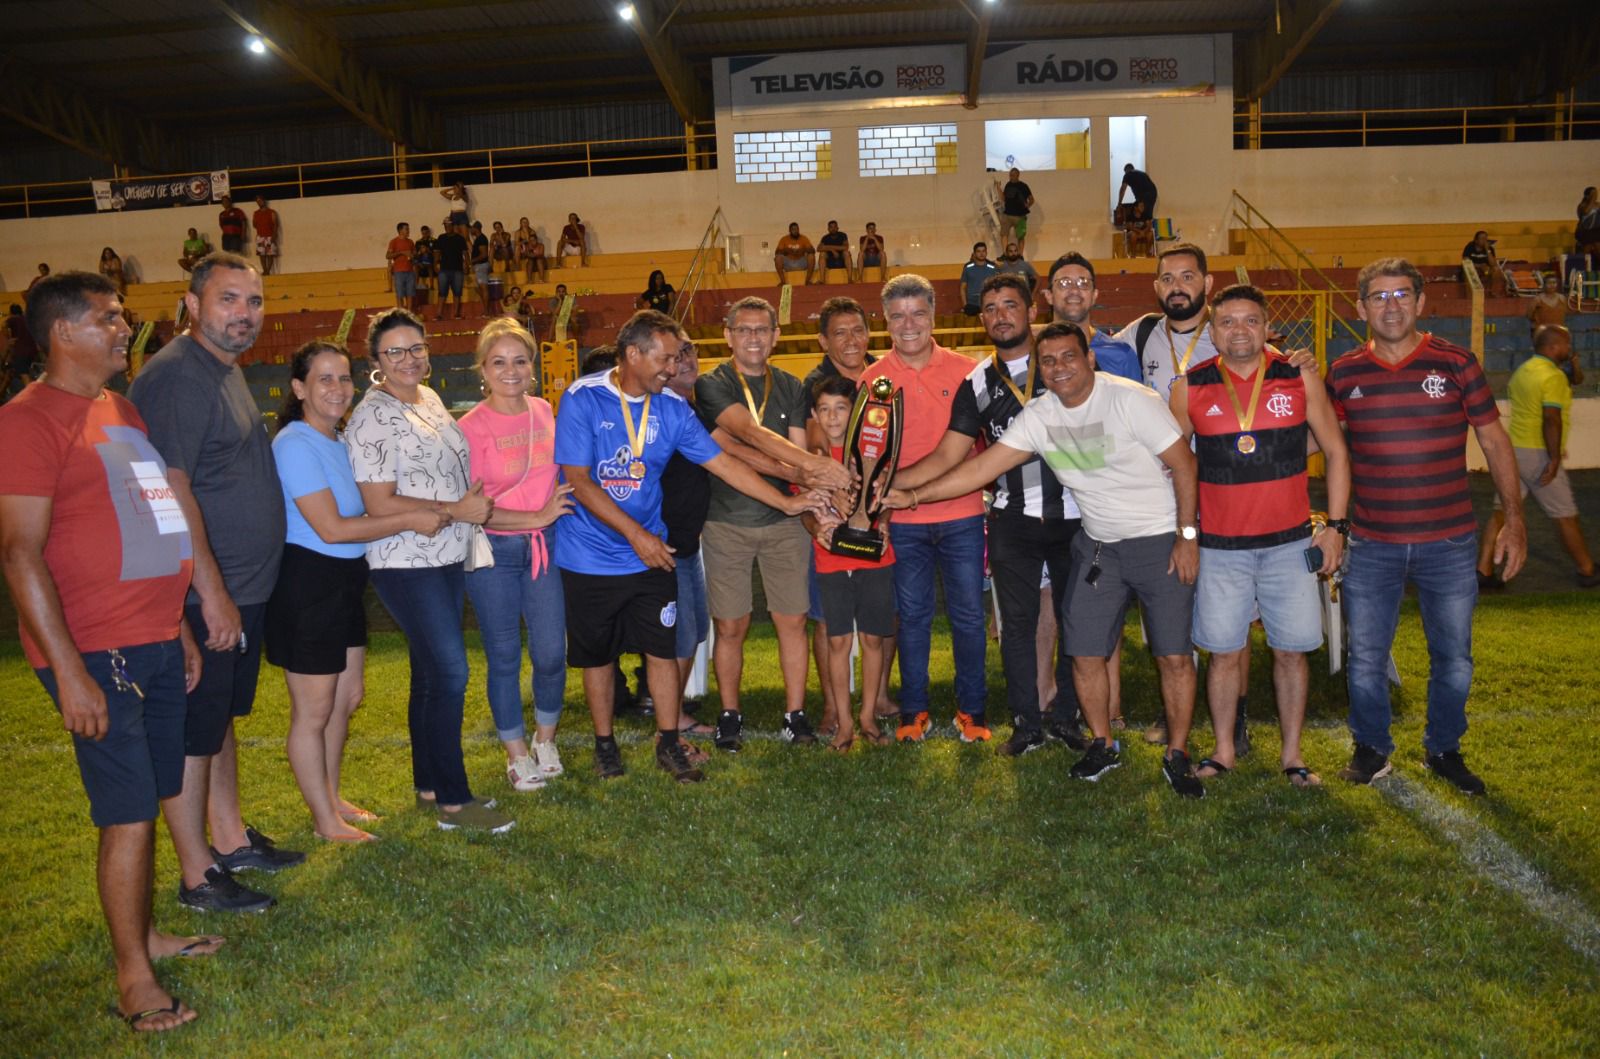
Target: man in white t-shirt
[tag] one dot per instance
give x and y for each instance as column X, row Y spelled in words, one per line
column 1113, row 443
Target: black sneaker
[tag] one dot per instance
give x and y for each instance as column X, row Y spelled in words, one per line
column 1098, row 760
column 1021, row 742
column 608, row 760
column 675, row 762
column 222, row 893
column 1068, row 733
column 1366, row 765
column 262, row 854
column 1175, row 767
column 730, row 726
column 1450, row 766
column 796, row 729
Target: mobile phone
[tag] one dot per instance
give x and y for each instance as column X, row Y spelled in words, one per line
column 1314, row 559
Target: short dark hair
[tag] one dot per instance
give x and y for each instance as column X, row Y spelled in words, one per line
column 1063, row 329
column 401, row 225
column 599, row 358
column 1183, row 248
column 751, row 303
column 639, row 329
column 201, row 273
column 979, row 243
column 1240, row 292
column 833, row 386
column 1071, row 257
column 1547, row 334
column 841, row 305
column 1388, row 266
column 389, row 320
column 1007, row 281
column 62, row 296
column 293, row 408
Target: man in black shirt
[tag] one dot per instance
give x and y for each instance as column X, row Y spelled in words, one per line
column 450, row 251
column 685, row 501
column 1143, row 188
column 1017, row 200
column 835, row 250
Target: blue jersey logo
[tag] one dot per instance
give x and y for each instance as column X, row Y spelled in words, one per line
column 613, row 476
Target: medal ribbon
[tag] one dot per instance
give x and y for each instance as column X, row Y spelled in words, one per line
column 1181, row 366
column 635, row 437
column 1033, row 373
column 1246, row 416
column 749, row 398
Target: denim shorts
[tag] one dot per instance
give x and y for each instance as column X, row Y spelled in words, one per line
column 1233, row 584
column 694, row 621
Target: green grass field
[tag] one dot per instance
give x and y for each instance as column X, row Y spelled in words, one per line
column 932, row 900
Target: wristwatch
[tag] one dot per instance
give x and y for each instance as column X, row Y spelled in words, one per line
column 1340, row 525
column 1188, row 533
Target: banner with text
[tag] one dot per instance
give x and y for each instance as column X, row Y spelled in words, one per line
column 148, row 193
column 875, row 76
column 1121, row 67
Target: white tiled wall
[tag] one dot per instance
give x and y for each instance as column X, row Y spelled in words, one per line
column 902, row 150
column 790, row 154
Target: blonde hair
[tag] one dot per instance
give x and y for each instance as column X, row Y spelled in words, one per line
column 496, row 329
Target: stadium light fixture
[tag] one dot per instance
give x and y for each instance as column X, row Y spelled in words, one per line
column 255, row 44
column 625, row 12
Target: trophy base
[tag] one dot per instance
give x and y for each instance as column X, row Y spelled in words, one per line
column 858, row 543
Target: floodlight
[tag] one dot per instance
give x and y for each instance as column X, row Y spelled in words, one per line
column 255, row 44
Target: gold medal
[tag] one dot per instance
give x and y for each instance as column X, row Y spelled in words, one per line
column 635, row 436
column 1005, row 375
column 636, row 469
column 1246, row 443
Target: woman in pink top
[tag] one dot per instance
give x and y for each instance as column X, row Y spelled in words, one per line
column 511, row 436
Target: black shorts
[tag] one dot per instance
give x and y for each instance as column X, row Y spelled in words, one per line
column 1129, row 569
column 612, row 615
column 862, row 600
column 316, row 613
column 227, row 687
column 233, row 244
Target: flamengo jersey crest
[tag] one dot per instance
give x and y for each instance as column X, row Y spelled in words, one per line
column 1280, row 405
column 1434, row 385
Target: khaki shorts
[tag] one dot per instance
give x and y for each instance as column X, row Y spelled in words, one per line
column 784, row 551
column 1556, row 498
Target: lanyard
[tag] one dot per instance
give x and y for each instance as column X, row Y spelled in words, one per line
column 635, row 436
column 749, row 398
column 1246, row 415
column 1179, row 367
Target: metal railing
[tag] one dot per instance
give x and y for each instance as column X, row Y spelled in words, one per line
column 1563, row 119
column 1287, row 255
column 683, row 303
column 400, row 169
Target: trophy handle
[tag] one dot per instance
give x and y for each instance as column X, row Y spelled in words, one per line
column 852, row 456
column 899, row 418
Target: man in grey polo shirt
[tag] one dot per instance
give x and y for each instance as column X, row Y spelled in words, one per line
column 205, row 424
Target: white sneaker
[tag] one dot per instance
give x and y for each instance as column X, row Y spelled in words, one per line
column 523, row 774
column 549, row 759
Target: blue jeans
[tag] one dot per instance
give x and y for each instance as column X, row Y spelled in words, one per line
column 426, row 603
column 505, row 597
column 955, row 550
column 1444, row 572
column 694, row 620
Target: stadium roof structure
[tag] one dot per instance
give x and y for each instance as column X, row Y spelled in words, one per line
column 121, row 81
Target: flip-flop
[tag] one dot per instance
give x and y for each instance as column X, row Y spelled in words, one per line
column 878, row 738
column 359, row 816
column 694, row 727
column 137, row 1017
column 192, row 951
column 1217, row 768
column 1302, row 777
column 365, row 837
column 844, row 747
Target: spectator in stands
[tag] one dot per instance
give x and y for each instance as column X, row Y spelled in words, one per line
column 22, row 352
column 409, row 455
column 1479, row 255
column 456, row 196
column 793, row 253
column 480, row 263
column 1587, row 233
column 194, row 248
column 402, row 270
column 511, row 437
column 501, row 251
column 1013, row 261
column 872, row 253
column 1541, row 423
column 450, row 251
column 1143, row 188
column 977, row 269
column 1549, row 308
column 574, row 239
column 658, row 294
column 316, row 626
column 1138, row 233
column 1016, row 201
column 265, row 221
column 231, row 221
column 111, row 269
column 558, row 297
column 425, row 260
column 44, row 270
column 835, row 251
column 530, row 252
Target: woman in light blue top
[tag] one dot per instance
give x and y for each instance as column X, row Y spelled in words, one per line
column 316, row 626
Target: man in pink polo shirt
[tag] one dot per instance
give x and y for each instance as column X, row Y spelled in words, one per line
column 947, row 536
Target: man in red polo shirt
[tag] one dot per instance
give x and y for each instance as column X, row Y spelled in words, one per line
column 944, row 537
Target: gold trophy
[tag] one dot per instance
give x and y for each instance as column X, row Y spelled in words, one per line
column 871, row 450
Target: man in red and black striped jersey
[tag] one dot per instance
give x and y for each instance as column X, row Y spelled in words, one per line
column 1249, row 409
column 1406, row 399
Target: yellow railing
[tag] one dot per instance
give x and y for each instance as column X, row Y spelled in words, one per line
column 695, row 149
column 1286, row 254
column 1565, row 119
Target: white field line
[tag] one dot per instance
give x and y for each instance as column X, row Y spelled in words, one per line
column 1494, row 859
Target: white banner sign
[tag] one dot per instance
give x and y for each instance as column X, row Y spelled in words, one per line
column 1132, row 66
column 892, row 76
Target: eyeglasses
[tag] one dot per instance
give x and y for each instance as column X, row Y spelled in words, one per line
column 1073, row 282
column 416, row 352
column 1402, row 296
column 751, row 332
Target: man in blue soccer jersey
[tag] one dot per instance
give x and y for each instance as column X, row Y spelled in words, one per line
column 614, row 435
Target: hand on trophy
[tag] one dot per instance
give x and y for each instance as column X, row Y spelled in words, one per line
column 899, row 499
column 820, row 472
column 815, row 502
